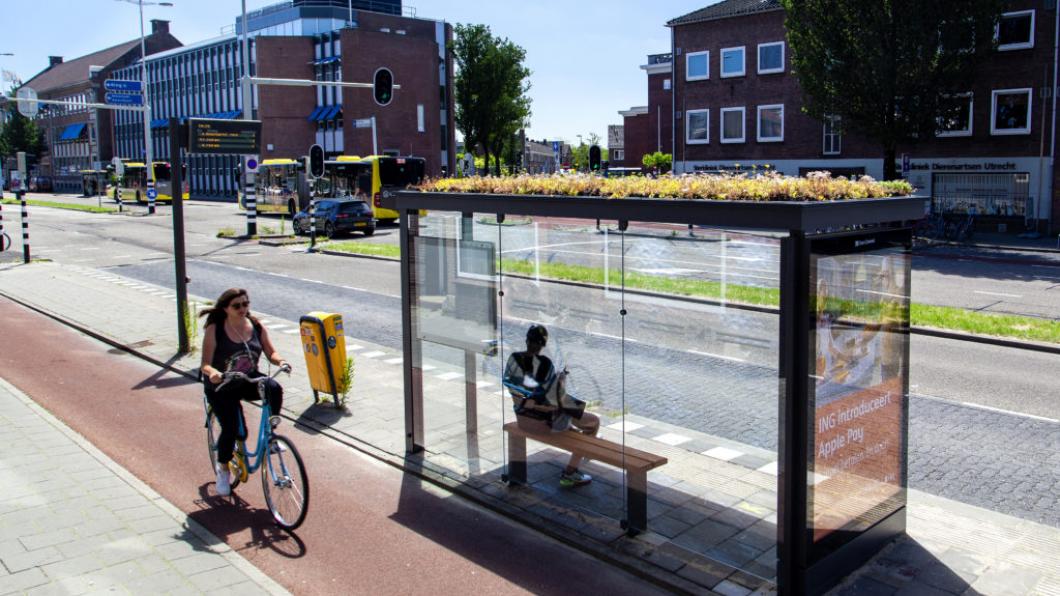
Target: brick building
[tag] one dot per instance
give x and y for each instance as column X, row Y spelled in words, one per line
column 79, row 138
column 309, row 40
column 649, row 128
column 735, row 104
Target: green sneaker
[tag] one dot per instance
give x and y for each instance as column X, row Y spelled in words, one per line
column 574, row 478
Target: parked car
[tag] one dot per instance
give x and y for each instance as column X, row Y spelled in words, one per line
column 336, row 217
column 40, row 184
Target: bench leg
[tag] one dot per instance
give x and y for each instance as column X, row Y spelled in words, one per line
column 636, row 501
column 516, row 459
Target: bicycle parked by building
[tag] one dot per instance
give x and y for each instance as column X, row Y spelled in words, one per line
column 283, row 476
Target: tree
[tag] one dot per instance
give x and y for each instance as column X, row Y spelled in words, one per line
column 491, row 89
column 886, row 68
column 20, row 133
column 658, row 162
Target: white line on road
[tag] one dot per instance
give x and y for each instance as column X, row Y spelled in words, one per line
column 708, row 354
column 1002, row 294
column 987, row 408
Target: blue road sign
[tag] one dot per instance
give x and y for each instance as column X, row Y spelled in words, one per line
column 116, row 85
column 252, row 165
column 122, row 99
column 152, row 193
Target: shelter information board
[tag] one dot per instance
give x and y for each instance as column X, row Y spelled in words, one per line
column 859, row 373
column 242, row 137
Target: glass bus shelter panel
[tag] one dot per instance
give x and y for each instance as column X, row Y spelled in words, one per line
column 859, row 386
column 701, row 386
column 553, row 276
column 455, row 343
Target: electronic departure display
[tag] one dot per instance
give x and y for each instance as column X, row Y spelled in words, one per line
column 241, row 137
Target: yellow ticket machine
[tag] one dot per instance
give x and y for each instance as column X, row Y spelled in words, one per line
column 324, row 346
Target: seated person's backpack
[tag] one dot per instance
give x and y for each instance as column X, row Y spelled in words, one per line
column 543, row 387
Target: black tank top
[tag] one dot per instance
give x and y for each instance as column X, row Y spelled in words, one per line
column 229, row 355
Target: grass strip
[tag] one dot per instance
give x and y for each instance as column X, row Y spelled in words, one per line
column 57, row 205
column 921, row 315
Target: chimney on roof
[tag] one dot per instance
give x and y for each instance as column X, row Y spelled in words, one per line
column 53, row 60
column 159, row 26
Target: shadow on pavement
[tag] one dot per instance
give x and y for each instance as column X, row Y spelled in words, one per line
column 225, row 516
column 906, row 567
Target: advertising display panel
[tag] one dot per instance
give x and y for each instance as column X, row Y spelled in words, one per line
column 860, row 342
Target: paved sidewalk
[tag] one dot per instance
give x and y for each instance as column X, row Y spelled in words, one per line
column 952, row 548
column 73, row 521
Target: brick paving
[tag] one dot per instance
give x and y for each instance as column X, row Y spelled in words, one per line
column 712, row 519
column 72, row 521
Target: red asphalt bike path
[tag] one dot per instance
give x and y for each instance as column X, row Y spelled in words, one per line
column 371, row 529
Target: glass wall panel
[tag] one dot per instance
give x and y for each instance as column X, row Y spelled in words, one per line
column 562, row 347
column 701, row 339
column 455, row 343
column 860, row 300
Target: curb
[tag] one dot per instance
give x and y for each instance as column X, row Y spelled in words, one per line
column 212, row 542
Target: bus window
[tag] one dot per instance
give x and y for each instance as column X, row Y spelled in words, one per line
column 401, row 171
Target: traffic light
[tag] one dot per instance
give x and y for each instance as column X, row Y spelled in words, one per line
column 383, row 86
column 316, row 161
column 594, row 158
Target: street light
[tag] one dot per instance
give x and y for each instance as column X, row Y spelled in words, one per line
column 148, row 153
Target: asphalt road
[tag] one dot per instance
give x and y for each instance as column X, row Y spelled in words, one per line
column 960, row 445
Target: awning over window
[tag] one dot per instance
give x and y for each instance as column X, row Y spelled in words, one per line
column 331, row 113
column 314, row 116
column 159, row 123
column 72, row 132
column 327, row 60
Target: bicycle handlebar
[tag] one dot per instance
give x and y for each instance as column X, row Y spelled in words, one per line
column 235, row 375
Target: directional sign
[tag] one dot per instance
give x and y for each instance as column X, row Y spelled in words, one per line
column 362, row 123
column 242, row 137
column 116, row 85
column 28, row 108
column 152, row 194
column 123, row 99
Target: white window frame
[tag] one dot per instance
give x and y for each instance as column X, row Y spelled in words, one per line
column 1023, row 45
column 837, row 131
column 743, row 62
column 666, row 84
column 743, row 125
column 688, row 61
column 971, row 113
column 993, row 111
column 617, row 154
column 758, row 123
column 782, row 57
column 688, row 129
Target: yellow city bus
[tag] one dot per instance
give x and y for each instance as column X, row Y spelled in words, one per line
column 365, row 177
column 281, row 186
column 134, row 182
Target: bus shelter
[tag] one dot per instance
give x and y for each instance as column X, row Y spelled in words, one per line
column 748, row 363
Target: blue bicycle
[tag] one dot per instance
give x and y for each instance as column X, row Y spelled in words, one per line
column 283, row 478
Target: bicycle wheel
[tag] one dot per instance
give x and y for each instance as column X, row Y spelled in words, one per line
column 213, row 430
column 285, row 484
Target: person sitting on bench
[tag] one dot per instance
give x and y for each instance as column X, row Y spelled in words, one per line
column 541, row 402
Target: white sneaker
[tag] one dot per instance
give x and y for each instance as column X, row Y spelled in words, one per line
column 224, row 485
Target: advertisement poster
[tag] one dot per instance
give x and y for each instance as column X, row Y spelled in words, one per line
column 861, row 311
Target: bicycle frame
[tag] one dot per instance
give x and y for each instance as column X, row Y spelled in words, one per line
column 253, row 458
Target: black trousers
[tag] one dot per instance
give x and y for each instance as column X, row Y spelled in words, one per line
column 228, row 409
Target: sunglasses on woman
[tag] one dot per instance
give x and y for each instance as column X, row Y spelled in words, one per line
column 240, row 305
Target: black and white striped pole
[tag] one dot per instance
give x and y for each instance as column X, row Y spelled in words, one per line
column 118, row 196
column 315, row 170
column 312, row 224
column 25, row 226
column 250, row 199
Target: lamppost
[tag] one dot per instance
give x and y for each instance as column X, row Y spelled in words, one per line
column 148, row 152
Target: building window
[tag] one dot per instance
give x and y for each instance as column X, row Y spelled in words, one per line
column 771, row 123
column 420, row 125
column 733, row 62
column 833, row 135
column 1015, row 31
column 697, row 127
column 955, row 116
column 1011, row 112
column 732, row 125
column 666, row 84
column 617, row 155
column 697, row 66
column 771, row 57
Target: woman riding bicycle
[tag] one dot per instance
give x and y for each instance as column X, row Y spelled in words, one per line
column 233, row 341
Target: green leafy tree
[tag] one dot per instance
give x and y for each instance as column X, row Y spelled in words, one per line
column 491, row 89
column 658, row 162
column 886, row 68
column 20, row 133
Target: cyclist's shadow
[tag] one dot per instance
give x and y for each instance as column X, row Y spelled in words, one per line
column 228, row 516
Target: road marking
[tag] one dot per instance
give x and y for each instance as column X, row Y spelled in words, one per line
column 449, row 376
column 374, row 354
column 719, row 356
column 393, row 360
column 1002, row 294
column 291, row 331
column 1009, row 412
column 354, row 348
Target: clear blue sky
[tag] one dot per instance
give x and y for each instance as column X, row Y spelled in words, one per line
column 584, row 54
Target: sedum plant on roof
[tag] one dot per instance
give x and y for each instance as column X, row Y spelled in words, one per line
column 771, row 186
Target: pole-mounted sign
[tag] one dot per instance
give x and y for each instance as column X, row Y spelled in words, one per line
column 242, row 137
column 118, row 85
column 29, row 107
column 125, row 99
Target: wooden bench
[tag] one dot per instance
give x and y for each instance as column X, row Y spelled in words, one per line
column 636, row 463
